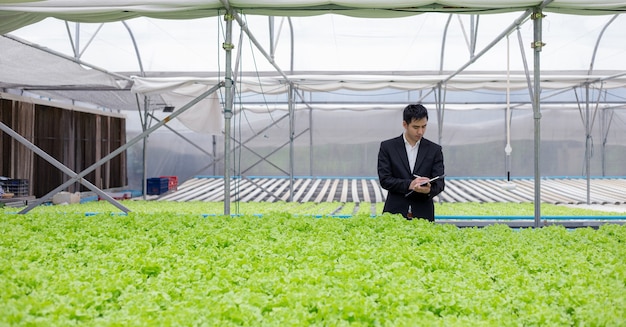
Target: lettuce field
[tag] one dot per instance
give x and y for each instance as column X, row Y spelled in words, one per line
column 182, row 264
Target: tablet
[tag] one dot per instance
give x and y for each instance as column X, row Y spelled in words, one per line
column 432, row 179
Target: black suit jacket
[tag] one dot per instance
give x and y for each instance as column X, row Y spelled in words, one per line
column 395, row 176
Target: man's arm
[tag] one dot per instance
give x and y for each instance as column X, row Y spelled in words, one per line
column 388, row 170
column 438, row 169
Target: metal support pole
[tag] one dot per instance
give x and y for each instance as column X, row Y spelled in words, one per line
column 228, row 107
column 291, row 139
column 537, row 45
column 587, row 144
column 311, row 153
column 144, row 151
column 440, row 103
column 588, row 125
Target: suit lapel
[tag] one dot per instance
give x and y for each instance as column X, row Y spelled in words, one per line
column 402, row 154
column 421, row 154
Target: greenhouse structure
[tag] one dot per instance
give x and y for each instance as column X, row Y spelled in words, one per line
column 249, row 93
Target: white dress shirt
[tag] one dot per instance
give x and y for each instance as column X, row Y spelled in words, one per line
column 411, row 152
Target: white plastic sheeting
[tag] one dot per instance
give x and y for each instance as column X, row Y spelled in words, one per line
column 23, row 65
column 203, row 117
column 19, row 13
column 365, row 82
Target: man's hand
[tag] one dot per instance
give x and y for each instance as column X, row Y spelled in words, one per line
column 416, row 185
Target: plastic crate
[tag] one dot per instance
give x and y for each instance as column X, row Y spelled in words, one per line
column 19, row 187
column 157, row 185
column 172, row 182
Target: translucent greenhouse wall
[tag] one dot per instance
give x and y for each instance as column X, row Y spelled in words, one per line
column 345, row 143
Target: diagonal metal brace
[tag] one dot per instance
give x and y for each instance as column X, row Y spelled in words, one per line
column 122, row 148
column 60, row 165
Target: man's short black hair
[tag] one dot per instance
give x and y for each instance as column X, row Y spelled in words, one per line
column 414, row 112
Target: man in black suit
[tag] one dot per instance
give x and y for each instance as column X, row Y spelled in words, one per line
column 408, row 161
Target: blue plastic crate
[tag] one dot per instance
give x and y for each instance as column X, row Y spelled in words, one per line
column 19, row 187
column 157, row 185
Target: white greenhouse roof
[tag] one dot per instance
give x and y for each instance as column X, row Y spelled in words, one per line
column 42, row 72
column 16, row 14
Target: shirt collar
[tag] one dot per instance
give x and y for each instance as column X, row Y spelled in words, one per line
column 407, row 144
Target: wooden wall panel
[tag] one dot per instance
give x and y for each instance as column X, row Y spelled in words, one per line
column 16, row 159
column 86, row 135
column 23, row 122
column 117, row 138
column 78, row 140
column 50, row 125
column 5, row 140
column 100, row 137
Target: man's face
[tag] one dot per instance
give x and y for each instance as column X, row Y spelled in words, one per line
column 415, row 130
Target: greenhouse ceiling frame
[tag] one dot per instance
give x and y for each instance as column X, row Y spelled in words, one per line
column 536, row 15
column 29, row 13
